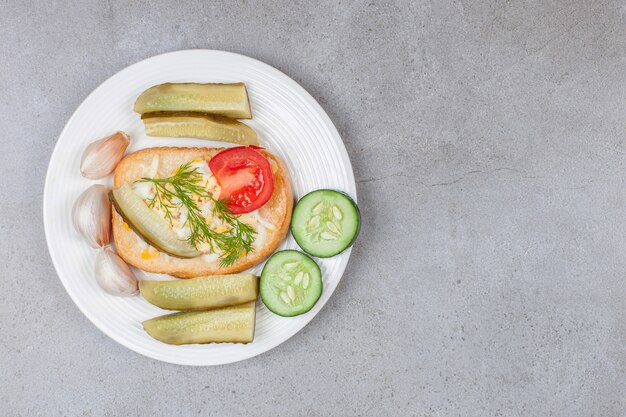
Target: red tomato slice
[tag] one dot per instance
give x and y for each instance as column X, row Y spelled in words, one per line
column 245, row 176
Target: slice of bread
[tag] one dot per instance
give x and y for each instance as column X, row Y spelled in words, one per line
column 134, row 250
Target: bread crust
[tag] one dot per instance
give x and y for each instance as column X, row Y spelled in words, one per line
column 130, row 247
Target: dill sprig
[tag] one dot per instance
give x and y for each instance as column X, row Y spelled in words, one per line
column 178, row 190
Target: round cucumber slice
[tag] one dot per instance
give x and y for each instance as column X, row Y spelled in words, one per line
column 325, row 223
column 291, row 283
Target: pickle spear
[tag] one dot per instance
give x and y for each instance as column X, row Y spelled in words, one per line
column 148, row 224
column 201, row 293
column 231, row 324
column 230, row 100
column 198, row 125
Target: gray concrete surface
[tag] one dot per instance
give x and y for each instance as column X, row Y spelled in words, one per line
column 488, row 142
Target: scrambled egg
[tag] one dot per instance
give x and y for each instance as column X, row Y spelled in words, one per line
column 179, row 213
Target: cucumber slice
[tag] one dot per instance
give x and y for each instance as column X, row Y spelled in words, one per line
column 230, row 100
column 201, row 293
column 291, row 283
column 325, row 223
column 153, row 228
column 231, row 324
column 199, row 125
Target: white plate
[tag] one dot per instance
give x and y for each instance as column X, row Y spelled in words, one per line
column 290, row 124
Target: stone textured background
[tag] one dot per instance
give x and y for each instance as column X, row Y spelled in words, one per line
column 487, row 138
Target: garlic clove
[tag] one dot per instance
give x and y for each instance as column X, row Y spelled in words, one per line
column 92, row 216
column 102, row 156
column 113, row 274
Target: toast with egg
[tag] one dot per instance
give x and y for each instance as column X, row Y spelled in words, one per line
column 271, row 221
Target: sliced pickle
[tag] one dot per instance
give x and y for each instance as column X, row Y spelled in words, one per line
column 148, row 224
column 230, row 324
column 199, row 125
column 230, row 100
column 201, row 293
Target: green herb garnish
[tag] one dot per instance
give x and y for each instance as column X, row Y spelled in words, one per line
column 178, row 190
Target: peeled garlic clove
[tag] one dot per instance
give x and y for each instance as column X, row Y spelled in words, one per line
column 113, row 275
column 92, row 216
column 101, row 157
